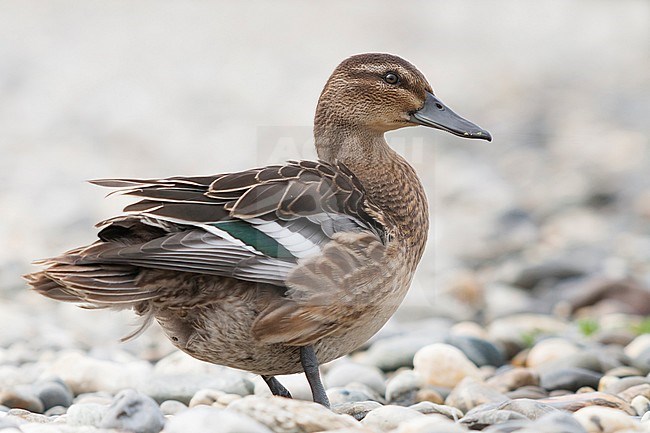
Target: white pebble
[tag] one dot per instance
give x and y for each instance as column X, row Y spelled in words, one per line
column 443, row 365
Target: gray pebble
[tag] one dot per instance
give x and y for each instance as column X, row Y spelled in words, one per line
column 339, row 395
column 182, row 387
column 53, row 393
column 206, row 419
column 481, row 352
column 481, row 419
column 357, row 409
column 556, row 422
column 403, row 387
column 392, row 353
column 134, row 412
column 570, row 378
column 346, row 372
column 172, row 407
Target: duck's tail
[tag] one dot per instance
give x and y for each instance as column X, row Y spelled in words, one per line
column 93, row 285
column 71, row 277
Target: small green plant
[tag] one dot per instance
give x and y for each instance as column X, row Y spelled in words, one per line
column 529, row 337
column 643, row 327
column 588, row 326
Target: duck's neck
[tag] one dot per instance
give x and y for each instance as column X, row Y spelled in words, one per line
column 389, row 180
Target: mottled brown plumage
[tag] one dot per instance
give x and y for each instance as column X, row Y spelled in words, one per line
column 262, row 269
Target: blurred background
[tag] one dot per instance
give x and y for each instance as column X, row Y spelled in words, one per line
column 553, row 216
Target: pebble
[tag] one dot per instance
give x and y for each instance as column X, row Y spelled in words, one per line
column 56, row 411
column 599, row 361
column 284, row 415
column 134, row 412
column 468, row 329
column 471, row 393
column 427, row 408
column 481, row 419
column 635, row 391
column 394, row 352
column 574, row 402
column 550, row 349
column 172, row 407
column 183, row 387
column 205, row 419
column 402, row 388
column 344, row 373
column 53, row 393
column 646, row 418
column 519, row 327
column 21, row 397
column 358, row 409
column 82, row 373
column 389, row 417
column 478, row 350
column 623, row 372
column 641, row 404
column 596, row 419
column 531, row 409
column 614, row 385
column 21, row 415
column 431, row 394
column 513, row 378
column 554, row 422
column 353, row 393
column 86, row 414
column 212, row 397
column 429, row 424
column 443, row 365
column 531, row 391
column 570, row 378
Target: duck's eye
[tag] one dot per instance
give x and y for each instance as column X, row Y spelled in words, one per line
column 391, row 78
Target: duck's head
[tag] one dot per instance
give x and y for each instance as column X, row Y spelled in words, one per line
column 375, row 93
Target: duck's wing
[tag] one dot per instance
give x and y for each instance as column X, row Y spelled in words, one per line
column 254, row 225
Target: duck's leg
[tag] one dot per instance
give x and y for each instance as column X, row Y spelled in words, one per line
column 276, row 387
column 310, row 365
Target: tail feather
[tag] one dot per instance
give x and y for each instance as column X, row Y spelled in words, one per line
column 99, row 285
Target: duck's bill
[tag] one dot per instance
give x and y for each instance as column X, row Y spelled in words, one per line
column 437, row 115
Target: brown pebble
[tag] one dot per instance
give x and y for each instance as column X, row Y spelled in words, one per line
column 585, row 389
column 512, row 379
column 470, row 393
column 634, row 391
column 428, row 394
column 13, row 398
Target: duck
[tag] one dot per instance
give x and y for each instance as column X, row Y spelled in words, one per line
column 278, row 269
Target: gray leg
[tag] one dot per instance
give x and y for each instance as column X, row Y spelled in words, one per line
column 310, row 365
column 276, row 387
